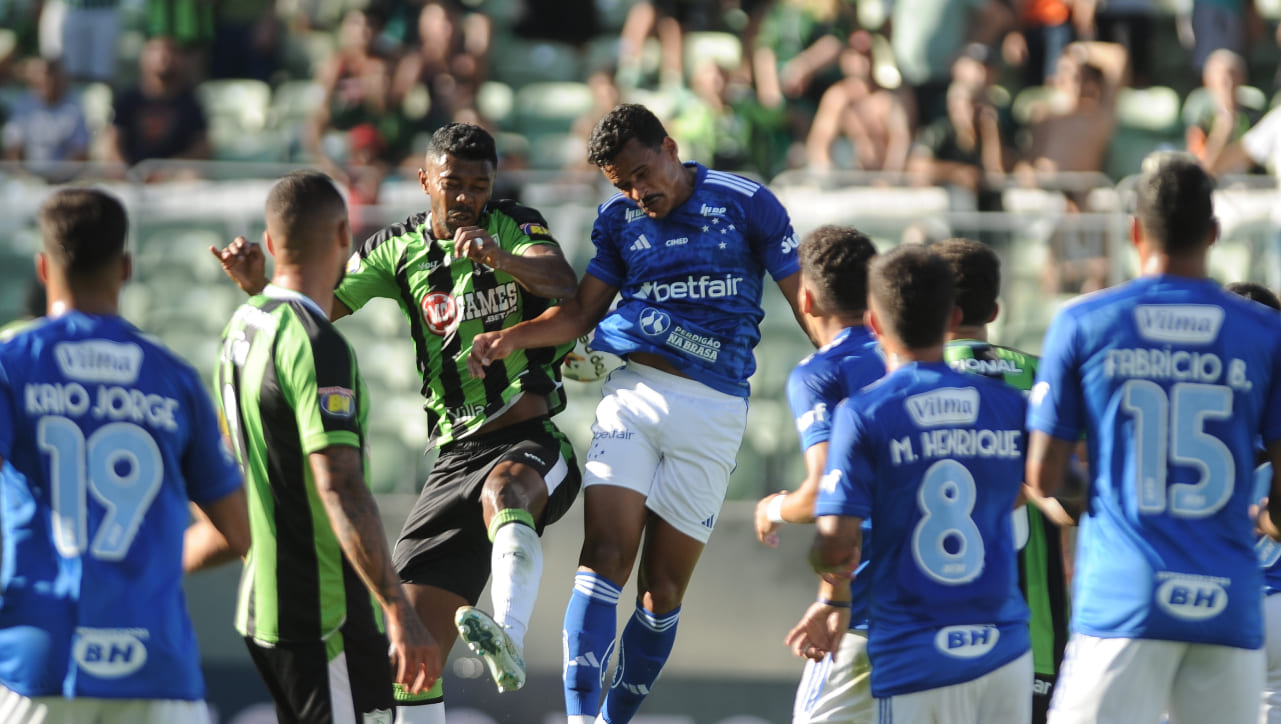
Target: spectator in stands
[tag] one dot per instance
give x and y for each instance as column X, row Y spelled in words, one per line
column 873, row 119
column 1044, row 29
column 1221, row 25
column 88, row 35
column 1127, row 23
column 966, row 149
column 47, row 125
column 797, row 49
column 451, row 59
column 161, row 117
column 247, row 40
column 668, row 19
column 928, row 37
column 1223, row 119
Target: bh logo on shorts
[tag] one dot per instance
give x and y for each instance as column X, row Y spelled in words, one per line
column 654, row 323
column 1191, row 598
column 440, row 313
column 966, row 642
column 110, row 653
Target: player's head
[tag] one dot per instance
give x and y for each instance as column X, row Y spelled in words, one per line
column 84, row 234
column 633, row 150
column 1255, row 293
column 834, row 270
column 458, row 175
column 306, row 220
column 1174, row 207
column 976, row 270
column 911, row 294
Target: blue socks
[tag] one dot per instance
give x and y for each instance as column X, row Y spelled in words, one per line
column 590, row 624
column 647, row 642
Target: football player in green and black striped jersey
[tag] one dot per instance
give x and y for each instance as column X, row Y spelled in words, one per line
column 466, row 266
column 294, row 406
column 1041, row 566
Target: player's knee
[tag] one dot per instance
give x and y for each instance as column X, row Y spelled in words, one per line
column 662, row 596
column 607, row 558
column 515, row 487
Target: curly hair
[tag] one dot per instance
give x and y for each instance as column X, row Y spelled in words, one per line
column 620, row 125
column 977, row 270
column 463, row 140
column 834, row 259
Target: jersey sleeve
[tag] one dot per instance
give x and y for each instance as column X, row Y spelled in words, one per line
column 531, row 229
column 208, row 465
column 847, row 484
column 371, row 270
column 319, row 374
column 607, row 264
column 8, row 408
column 811, row 406
column 1056, row 404
column 772, row 235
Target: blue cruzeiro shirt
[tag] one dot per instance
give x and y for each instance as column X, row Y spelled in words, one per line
column 106, row 435
column 818, row 384
column 935, row 458
column 691, row 282
column 1173, row 381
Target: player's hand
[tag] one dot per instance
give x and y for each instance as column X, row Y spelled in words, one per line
column 485, row 348
column 819, row 632
column 766, row 529
column 475, row 243
column 415, row 656
column 245, row 263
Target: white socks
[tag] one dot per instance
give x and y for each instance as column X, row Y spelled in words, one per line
column 517, row 568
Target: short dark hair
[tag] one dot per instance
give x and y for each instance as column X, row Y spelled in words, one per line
column 1254, row 292
column 1175, row 201
column 976, row 270
column 83, row 229
column 620, row 125
column 301, row 205
column 467, row 141
column 834, row 259
column 914, row 289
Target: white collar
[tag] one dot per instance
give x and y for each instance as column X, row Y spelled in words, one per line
column 274, row 292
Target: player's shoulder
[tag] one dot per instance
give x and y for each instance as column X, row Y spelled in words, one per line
column 401, row 231
column 508, row 215
column 730, row 184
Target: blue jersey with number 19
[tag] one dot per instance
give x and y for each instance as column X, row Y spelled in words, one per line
column 1172, row 380
column 109, row 435
column 935, row 458
column 691, row 282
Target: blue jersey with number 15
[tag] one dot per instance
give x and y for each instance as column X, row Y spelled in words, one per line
column 935, row 458
column 108, row 435
column 1173, row 381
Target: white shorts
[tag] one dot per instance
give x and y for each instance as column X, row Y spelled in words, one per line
column 837, row 688
column 18, row 709
column 1136, row 681
column 1003, row 696
column 670, row 439
column 1270, row 713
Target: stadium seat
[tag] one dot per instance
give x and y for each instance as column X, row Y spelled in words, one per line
column 495, row 100
column 96, row 101
column 601, row 52
column 520, row 62
column 1147, row 120
column 305, row 52
column 550, row 107
column 554, row 151
column 725, row 49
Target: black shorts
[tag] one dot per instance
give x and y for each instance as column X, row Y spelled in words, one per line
column 445, row 543
column 306, row 680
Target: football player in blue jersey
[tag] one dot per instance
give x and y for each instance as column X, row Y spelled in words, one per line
column 108, row 436
column 933, row 456
column 1174, row 382
column 833, row 297
column 688, row 249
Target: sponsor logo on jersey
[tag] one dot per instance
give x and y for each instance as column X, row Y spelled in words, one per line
column 532, row 229
column 1191, row 598
column 790, row 243
column 1179, row 323
column 1038, row 393
column 110, row 653
column 378, row 716
column 703, row 287
column 633, row 214
column 654, row 322
column 814, row 415
column 537, row 460
column 463, row 414
column 640, row 244
column 353, row 263
column 338, row 402
column 706, row 210
column 682, row 241
column 986, row 367
column 946, row 406
column 966, row 642
column 440, row 313
column 99, row 361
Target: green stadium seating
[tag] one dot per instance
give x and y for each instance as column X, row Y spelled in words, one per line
column 519, row 62
column 550, row 107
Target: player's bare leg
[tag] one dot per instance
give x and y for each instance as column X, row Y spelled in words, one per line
column 435, row 608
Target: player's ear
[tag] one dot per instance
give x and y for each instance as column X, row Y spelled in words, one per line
column 1136, row 231
column 271, row 245
column 422, row 181
column 996, row 309
column 1214, row 231
column 870, row 319
column 42, row 268
column 126, row 267
column 804, row 300
column 954, row 320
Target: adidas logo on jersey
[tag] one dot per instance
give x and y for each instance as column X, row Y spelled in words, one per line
column 640, row 244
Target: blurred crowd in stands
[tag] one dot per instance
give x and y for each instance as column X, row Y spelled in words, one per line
column 972, row 94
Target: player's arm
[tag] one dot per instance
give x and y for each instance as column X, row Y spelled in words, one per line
column 837, row 547
column 1267, row 517
column 1047, row 463
column 243, row 261
column 821, row 628
column 796, row 506
column 540, row 268
column 790, row 286
column 353, row 514
column 562, row 323
column 219, row 532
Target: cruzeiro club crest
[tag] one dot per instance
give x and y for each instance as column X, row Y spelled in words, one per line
column 654, row 322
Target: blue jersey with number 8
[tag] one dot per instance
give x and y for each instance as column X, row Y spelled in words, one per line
column 1172, row 381
column 107, row 435
column 935, row 458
